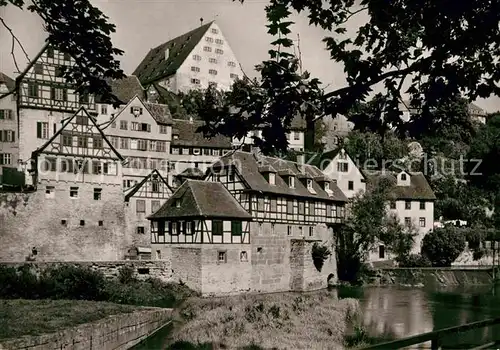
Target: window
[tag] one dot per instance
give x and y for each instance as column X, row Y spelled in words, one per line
column 136, row 110
column 7, row 136
column 381, row 252
column 163, row 129
column 342, row 167
column 6, row 114
column 231, row 64
column 82, row 141
column 123, row 125
column 209, row 39
column 301, row 232
column 233, row 76
column 140, row 205
column 197, row 57
column 195, row 81
column 272, row 229
column 73, row 192
column 221, row 257
column 243, row 256
column 422, row 205
column 403, row 177
column 215, row 31
column 212, row 71
column 155, row 186
column 97, row 142
column 5, row 159
column 219, row 41
column 38, row 68
column 32, row 90
column 289, row 230
column 195, row 69
column 189, row 228
column 50, row 192
column 140, row 230
column 97, row 194
column 177, row 203
column 59, row 71
column 207, row 49
column 327, row 186
column 58, row 94
column 236, row 228
column 309, row 184
column 64, row 222
column 407, row 205
column 408, row 221
column 81, row 120
column 311, row 231
column 100, row 223
column 393, row 205
column 123, row 143
column 158, row 255
column 350, row 185
column 212, row 60
column 104, row 109
column 219, row 51
column 217, row 228
column 421, row 222
column 296, row 136
column 82, row 222
column 291, row 182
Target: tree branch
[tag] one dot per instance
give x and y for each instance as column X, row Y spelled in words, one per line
column 14, row 40
column 353, row 13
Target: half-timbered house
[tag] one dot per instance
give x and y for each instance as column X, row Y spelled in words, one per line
column 45, row 99
column 190, row 149
column 77, row 209
column 142, row 132
column 292, row 206
column 142, row 200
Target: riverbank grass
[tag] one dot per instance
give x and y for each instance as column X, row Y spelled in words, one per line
column 35, row 317
column 274, row 321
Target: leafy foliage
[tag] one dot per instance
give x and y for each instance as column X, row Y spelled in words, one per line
column 368, row 224
column 438, row 49
column 319, row 254
column 442, row 246
column 83, row 31
column 415, row 260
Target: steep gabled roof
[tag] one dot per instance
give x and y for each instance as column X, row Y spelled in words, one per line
column 82, row 110
column 419, row 188
column 202, row 199
column 192, row 173
column 137, row 187
column 10, row 83
column 154, row 66
column 248, row 165
column 124, row 89
column 188, row 136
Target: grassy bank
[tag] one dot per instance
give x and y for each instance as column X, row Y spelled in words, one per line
column 274, row 321
column 35, row 317
column 78, row 283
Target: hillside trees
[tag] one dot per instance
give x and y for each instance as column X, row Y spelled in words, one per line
column 81, row 30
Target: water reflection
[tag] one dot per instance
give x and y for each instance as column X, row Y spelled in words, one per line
column 403, row 312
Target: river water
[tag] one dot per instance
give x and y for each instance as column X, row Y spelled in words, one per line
column 397, row 312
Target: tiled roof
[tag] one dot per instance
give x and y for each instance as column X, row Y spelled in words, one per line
column 160, row 113
column 4, row 79
column 322, row 160
column 419, row 188
column 154, row 66
column 247, row 165
column 186, row 131
column 172, row 100
column 125, row 89
column 201, row 199
column 137, row 187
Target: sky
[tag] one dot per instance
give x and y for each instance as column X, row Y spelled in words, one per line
column 144, row 24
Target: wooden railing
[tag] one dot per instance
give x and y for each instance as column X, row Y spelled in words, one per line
column 436, row 337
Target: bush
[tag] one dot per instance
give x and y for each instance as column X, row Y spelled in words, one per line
column 443, row 245
column 415, row 260
column 319, row 254
column 126, row 274
column 74, row 282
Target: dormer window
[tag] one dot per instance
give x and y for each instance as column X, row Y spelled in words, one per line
column 272, row 178
column 177, row 203
column 403, row 177
column 327, row 186
column 309, row 184
column 291, row 181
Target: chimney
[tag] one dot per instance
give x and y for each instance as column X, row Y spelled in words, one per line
column 167, row 53
column 201, row 21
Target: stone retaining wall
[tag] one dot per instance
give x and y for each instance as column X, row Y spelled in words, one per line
column 117, row 332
